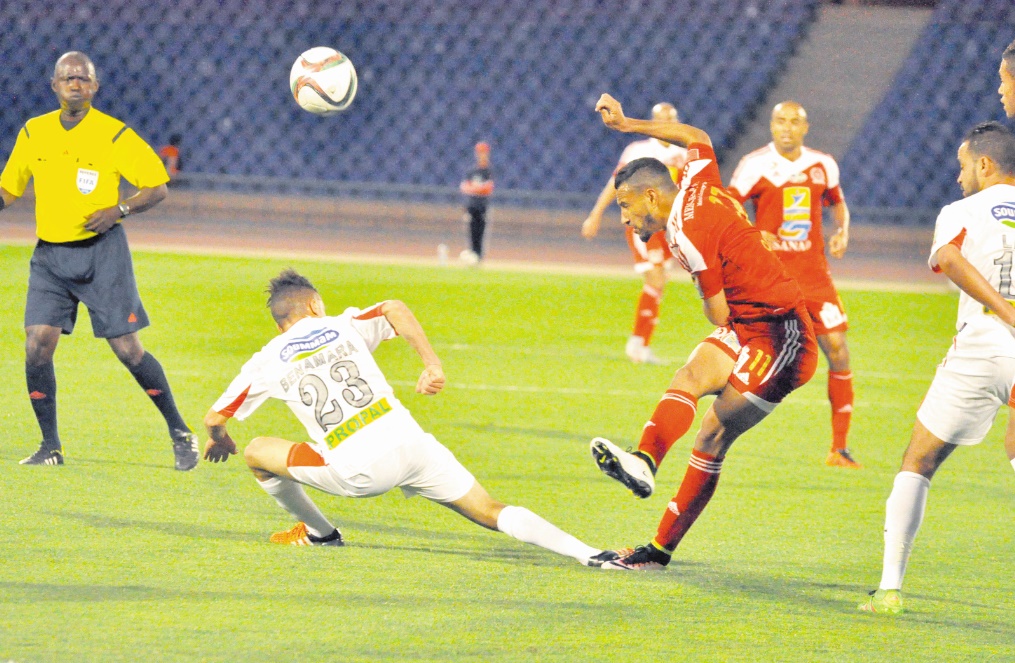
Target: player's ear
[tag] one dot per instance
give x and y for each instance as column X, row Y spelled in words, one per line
column 316, row 306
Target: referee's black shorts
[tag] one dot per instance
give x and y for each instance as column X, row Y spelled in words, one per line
column 97, row 272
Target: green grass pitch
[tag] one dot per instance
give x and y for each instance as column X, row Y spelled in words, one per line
column 116, row 557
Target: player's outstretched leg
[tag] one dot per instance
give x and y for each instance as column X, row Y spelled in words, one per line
column 268, row 459
column 729, row 417
column 706, row 372
column 148, row 372
column 40, row 377
column 520, row 523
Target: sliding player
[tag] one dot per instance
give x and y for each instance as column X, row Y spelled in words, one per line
column 365, row 442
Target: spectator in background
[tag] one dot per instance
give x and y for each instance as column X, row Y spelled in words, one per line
column 477, row 187
column 170, row 155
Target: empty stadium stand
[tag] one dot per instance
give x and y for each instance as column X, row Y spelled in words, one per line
column 903, row 158
column 434, row 77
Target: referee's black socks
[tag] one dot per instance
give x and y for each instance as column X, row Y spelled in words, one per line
column 42, row 392
column 152, row 378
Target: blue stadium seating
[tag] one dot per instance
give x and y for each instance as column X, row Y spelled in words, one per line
column 435, row 77
column 904, row 156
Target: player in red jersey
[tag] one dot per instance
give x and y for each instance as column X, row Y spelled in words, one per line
column 742, row 285
column 789, row 184
column 651, row 256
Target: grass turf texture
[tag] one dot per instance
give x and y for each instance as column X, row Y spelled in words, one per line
column 115, row 556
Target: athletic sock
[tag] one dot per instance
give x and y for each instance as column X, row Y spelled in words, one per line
column 41, row 382
column 695, row 491
column 520, row 523
column 647, row 315
column 291, row 497
column 903, row 515
column 840, row 395
column 149, row 374
column 672, row 418
column 1013, row 463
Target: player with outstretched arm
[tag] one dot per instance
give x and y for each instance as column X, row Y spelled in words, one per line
column 973, row 242
column 365, row 442
column 743, row 287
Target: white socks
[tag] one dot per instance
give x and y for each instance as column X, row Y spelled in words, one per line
column 1013, row 463
column 520, row 523
column 290, row 496
column 903, row 515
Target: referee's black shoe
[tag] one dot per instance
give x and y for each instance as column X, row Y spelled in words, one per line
column 46, row 455
column 185, row 450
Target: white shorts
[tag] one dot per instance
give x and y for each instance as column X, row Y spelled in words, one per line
column 419, row 465
column 964, row 397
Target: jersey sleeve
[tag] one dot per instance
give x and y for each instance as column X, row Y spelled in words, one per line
column 949, row 229
column 372, row 325
column 247, row 392
column 743, row 181
column 137, row 161
column 701, row 166
column 18, row 170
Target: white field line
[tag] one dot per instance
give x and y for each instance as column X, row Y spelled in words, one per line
column 624, row 393
column 519, row 266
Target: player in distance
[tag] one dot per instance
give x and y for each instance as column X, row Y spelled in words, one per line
column 1007, row 73
column 365, row 442
column 652, row 256
column 973, row 241
column 789, row 184
column 745, row 291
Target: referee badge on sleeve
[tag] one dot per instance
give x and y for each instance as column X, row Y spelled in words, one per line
column 87, row 180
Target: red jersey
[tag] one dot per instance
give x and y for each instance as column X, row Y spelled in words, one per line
column 712, row 238
column 788, row 197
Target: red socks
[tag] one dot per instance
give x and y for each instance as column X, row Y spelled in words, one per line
column 840, row 394
column 672, row 418
column 695, row 491
column 647, row 315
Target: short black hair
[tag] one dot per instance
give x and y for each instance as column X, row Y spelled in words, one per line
column 175, row 139
column 643, row 171
column 995, row 141
column 1008, row 56
column 286, row 292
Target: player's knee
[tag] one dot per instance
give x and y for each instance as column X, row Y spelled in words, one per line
column 38, row 350
column 251, row 454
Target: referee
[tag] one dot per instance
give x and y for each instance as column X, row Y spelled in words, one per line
column 76, row 156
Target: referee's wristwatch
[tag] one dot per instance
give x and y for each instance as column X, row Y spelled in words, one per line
column 124, row 210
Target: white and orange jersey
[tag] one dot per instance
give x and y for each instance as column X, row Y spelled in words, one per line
column 673, row 156
column 788, row 197
column 324, row 370
column 983, row 227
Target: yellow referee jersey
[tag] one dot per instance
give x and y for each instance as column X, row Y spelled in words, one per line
column 78, row 171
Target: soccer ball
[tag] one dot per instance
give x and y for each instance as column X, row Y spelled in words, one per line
column 323, row 81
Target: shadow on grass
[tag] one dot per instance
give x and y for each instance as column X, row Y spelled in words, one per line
column 189, row 530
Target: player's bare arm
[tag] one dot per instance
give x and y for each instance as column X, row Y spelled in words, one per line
column 590, row 227
column 839, row 242
column 963, row 274
column 717, row 309
column 431, row 381
column 666, row 130
column 219, row 446
column 102, row 220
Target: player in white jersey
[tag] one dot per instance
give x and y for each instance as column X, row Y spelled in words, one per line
column 364, row 441
column 973, row 245
column 651, row 257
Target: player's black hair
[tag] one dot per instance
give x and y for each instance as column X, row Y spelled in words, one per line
column 175, row 140
column 643, row 172
column 1008, row 56
column 995, row 141
column 286, row 292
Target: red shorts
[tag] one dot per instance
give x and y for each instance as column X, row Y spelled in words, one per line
column 726, row 340
column 826, row 309
column 654, row 252
column 776, row 357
